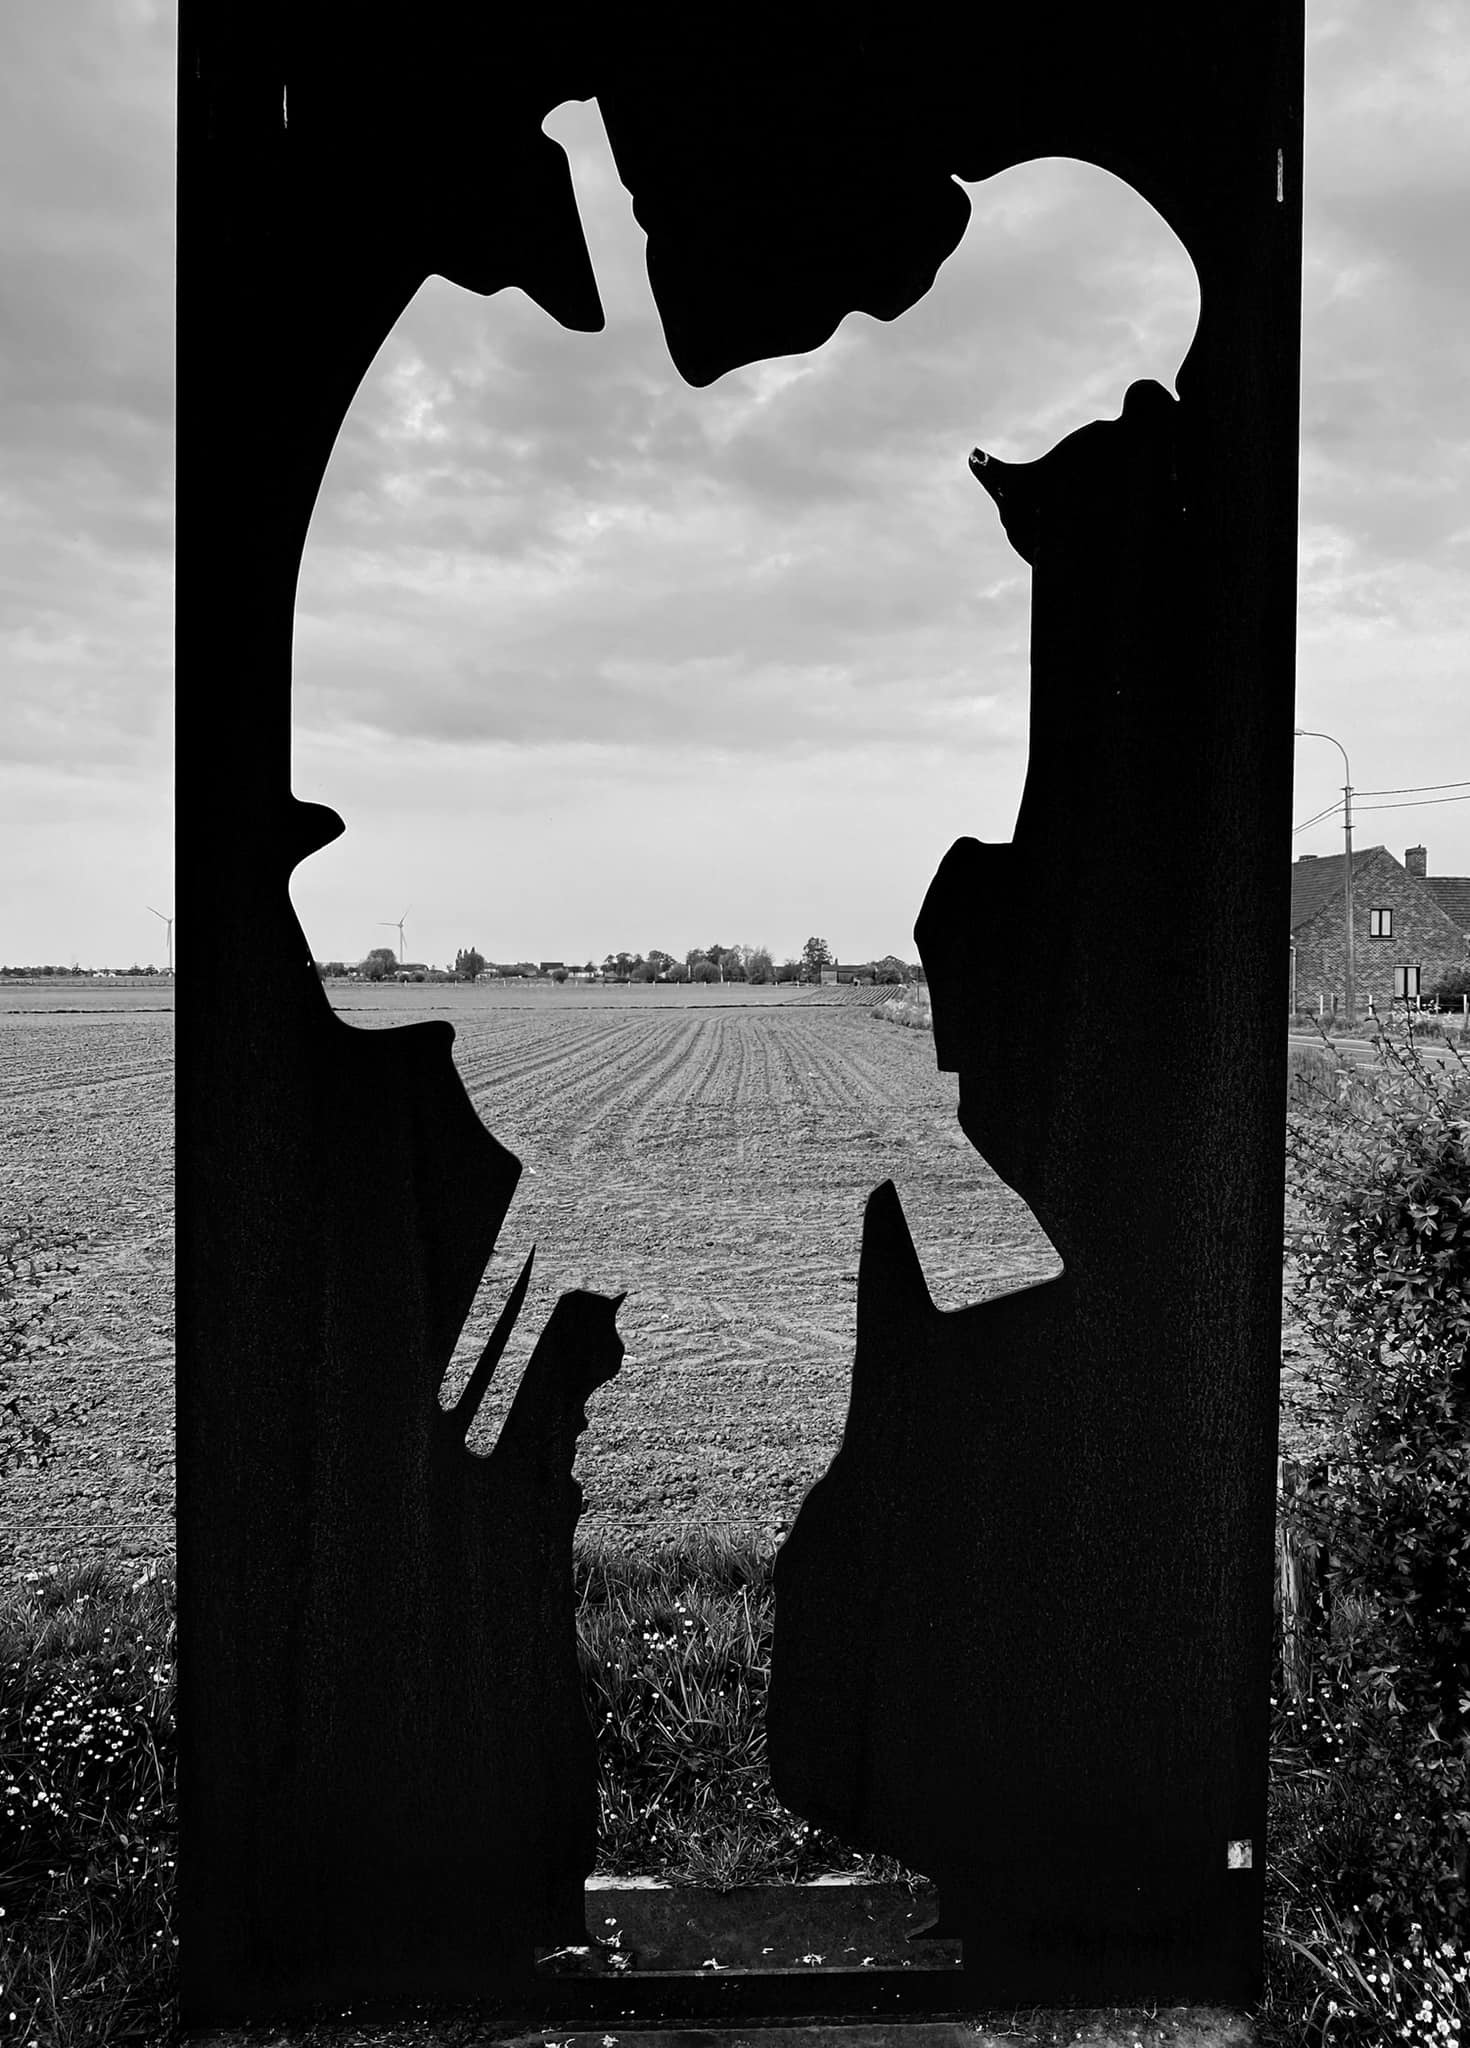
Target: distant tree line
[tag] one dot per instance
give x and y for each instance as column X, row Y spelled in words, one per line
column 701, row 964
column 20, row 973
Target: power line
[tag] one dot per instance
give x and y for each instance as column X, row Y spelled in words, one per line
column 1415, row 789
column 1423, row 803
column 1319, row 817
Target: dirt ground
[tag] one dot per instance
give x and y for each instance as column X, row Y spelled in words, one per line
column 708, row 1151
column 86, row 1168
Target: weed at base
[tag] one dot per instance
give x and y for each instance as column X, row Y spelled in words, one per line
column 87, row 1797
column 675, row 1648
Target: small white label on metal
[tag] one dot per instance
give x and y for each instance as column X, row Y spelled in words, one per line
column 1237, row 1855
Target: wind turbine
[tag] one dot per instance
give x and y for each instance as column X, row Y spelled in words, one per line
column 170, row 923
column 398, row 927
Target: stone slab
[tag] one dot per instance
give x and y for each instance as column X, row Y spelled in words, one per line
column 777, row 1939
column 645, row 1928
column 1184, row 2029
column 1172, row 2027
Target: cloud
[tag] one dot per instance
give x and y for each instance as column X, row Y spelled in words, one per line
column 85, row 401
column 538, row 549
column 530, row 536
column 1386, row 313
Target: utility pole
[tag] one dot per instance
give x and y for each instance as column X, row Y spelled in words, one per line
column 1349, row 961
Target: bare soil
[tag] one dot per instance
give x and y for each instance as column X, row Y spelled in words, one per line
column 86, row 1170
column 710, row 1151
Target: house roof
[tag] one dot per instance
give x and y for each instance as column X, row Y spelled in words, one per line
column 1452, row 894
column 1319, row 881
column 1314, row 882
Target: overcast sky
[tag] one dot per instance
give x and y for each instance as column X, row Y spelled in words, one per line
column 589, row 660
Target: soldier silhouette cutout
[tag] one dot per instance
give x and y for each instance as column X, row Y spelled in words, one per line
column 973, row 1617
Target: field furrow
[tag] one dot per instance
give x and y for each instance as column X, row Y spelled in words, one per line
column 711, row 1159
column 557, row 1098
column 523, row 1052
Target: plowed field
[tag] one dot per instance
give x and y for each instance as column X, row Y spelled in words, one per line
column 708, row 1151
column 714, row 1161
column 86, row 1201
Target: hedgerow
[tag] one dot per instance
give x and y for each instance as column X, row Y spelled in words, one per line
column 1373, row 1819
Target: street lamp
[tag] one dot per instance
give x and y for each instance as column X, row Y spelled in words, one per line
column 1347, row 866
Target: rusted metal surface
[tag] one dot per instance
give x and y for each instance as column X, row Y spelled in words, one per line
column 386, row 1769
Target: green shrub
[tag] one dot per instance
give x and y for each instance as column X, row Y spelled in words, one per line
column 1452, row 988
column 1382, row 1180
column 912, row 1007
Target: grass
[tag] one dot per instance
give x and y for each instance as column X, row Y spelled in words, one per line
column 88, row 1822
column 1346, row 1962
column 676, row 1654
column 908, row 1005
column 1444, row 1025
column 675, row 1648
column 1321, row 1076
column 1311, row 1074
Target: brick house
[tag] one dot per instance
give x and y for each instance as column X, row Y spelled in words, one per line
column 1409, row 927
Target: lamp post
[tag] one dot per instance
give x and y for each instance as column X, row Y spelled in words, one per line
column 1347, row 866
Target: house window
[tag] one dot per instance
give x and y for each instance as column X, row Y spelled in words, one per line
column 1380, row 924
column 1406, row 981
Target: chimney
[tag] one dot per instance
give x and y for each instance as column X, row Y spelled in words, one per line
column 1416, row 860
